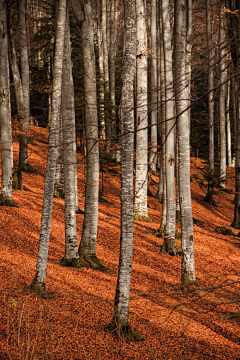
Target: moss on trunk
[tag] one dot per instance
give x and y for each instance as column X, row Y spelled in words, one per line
column 172, row 250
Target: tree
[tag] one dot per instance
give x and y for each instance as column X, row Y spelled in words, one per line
column 23, row 47
column 71, row 256
column 169, row 244
column 119, row 322
column 209, row 196
column 87, row 247
column 39, row 281
column 153, row 148
column 181, row 94
column 5, row 111
column 222, row 96
column 141, row 179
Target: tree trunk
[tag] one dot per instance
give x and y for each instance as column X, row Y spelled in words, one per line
column 153, row 147
column 119, row 322
column 209, row 196
column 222, row 97
column 181, row 94
column 23, row 47
column 229, row 141
column 39, row 281
column 141, row 179
column 87, row 248
column 112, row 55
column 169, row 244
column 5, row 112
column 71, row 256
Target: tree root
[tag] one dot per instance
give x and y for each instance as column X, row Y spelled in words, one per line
column 79, row 211
column 172, row 250
column 39, row 290
column 189, row 282
column 7, row 202
column 123, row 332
column 75, row 262
column 95, row 263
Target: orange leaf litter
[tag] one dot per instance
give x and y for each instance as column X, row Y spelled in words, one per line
column 177, row 322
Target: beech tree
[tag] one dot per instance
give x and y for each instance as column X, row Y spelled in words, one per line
column 141, row 179
column 5, row 112
column 169, row 244
column 181, row 94
column 24, row 62
column 39, row 281
column 119, row 322
column 87, row 247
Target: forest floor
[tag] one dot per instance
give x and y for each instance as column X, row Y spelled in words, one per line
column 177, row 322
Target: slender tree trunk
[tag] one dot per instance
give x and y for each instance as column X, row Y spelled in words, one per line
column 119, row 322
column 23, row 47
column 229, row 141
column 39, row 281
column 222, row 98
column 5, row 112
column 71, row 256
column 153, row 147
column 141, row 179
column 209, row 196
column 101, row 70
column 112, row 55
column 181, row 94
column 87, row 248
column 169, row 244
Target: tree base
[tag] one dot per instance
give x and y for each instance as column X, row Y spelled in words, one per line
column 123, row 332
column 141, row 218
column 209, row 199
column 189, row 282
column 161, row 231
column 235, row 225
column 75, row 263
column 28, row 169
column 39, row 290
column 95, row 264
column 7, row 202
column 172, row 250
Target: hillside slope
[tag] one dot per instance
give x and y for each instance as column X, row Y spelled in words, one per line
column 177, row 322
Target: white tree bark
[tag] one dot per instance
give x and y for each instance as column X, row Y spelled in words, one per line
column 119, row 322
column 153, row 147
column 23, row 47
column 229, row 140
column 141, row 179
column 209, row 196
column 39, row 281
column 169, row 239
column 5, row 112
column 71, row 256
column 112, row 55
column 181, row 94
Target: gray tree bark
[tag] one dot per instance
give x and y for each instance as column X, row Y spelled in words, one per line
column 209, row 196
column 71, row 256
column 222, row 96
column 5, row 112
column 141, row 179
column 181, row 95
column 153, row 147
column 169, row 244
column 119, row 322
column 39, row 281
column 23, row 47
column 87, row 248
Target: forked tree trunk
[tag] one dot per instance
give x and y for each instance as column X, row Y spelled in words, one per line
column 141, row 179
column 39, row 281
column 119, row 322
